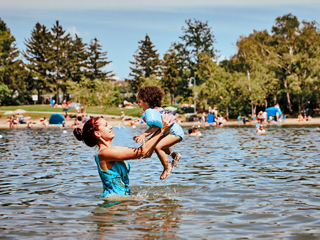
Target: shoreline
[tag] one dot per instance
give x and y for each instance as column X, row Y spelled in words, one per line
column 115, row 123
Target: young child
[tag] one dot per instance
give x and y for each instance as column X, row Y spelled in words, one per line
column 149, row 99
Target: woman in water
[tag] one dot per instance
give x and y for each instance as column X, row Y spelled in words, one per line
column 110, row 160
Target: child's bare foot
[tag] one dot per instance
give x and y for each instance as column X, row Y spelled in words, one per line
column 176, row 160
column 165, row 173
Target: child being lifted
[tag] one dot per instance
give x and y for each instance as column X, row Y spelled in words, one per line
column 149, row 99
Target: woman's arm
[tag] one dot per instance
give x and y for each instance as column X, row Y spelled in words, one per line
column 126, row 153
column 140, row 138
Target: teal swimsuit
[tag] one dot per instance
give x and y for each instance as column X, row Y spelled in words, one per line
column 115, row 181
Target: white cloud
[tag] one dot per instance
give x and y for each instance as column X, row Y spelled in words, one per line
column 221, row 58
column 172, row 29
column 110, row 67
column 73, row 31
column 144, row 4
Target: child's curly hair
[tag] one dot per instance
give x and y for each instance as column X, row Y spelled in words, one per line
column 153, row 95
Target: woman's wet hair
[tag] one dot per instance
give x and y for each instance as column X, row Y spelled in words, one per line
column 153, row 95
column 190, row 131
column 86, row 134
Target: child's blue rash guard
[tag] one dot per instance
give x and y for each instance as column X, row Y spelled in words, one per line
column 115, row 181
column 152, row 117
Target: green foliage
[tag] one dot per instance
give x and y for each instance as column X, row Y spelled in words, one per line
column 286, row 26
column 94, row 92
column 197, row 38
column 13, row 75
column 77, row 58
column 58, row 58
column 170, row 74
column 281, row 66
column 96, row 61
column 152, row 80
column 220, row 85
column 146, row 64
column 4, row 91
column 37, row 54
column 55, row 59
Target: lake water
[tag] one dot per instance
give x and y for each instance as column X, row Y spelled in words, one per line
column 231, row 183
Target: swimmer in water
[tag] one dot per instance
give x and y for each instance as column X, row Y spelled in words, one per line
column 260, row 129
column 149, row 99
column 194, row 131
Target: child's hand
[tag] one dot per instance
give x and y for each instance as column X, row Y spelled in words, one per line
column 139, row 139
column 166, row 120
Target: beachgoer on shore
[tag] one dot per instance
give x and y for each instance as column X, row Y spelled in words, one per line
column 215, row 111
column 220, row 120
column 240, row 119
column 150, row 99
column 14, row 121
column 45, row 122
column 265, row 116
column 111, row 160
column 203, row 119
column 122, row 117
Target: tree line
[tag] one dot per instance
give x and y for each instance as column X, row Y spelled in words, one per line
column 281, row 66
column 268, row 68
column 54, row 63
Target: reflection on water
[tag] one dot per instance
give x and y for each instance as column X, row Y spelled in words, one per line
column 230, row 183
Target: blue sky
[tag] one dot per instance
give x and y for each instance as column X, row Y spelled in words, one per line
column 119, row 25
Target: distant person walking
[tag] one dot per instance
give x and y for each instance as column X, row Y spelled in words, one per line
column 264, row 116
column 122, row 117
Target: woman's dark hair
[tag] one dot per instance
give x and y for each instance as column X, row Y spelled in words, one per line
column 190, row 131
column 153, row 95
column 86, row 134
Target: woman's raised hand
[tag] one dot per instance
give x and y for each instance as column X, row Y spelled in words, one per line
column 166, row 118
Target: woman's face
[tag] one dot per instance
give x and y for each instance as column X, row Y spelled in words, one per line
column 105, row 129
column 142, row 104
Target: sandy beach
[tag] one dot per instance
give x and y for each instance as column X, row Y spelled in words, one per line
column 115, row 121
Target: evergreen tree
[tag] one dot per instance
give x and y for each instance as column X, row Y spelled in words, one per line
column 8, row 50
column 12, row 70
column 58, row 58
column 6, row 46
column 77, row 60
column 97, row 60
column 146, row 63
column 38, row 47
column 170, row 74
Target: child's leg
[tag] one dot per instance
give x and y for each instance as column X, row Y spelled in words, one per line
column 171, row 153
column 161, row 148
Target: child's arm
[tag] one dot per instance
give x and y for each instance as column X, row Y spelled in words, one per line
column 140, row 138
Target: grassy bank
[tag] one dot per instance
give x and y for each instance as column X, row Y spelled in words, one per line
column 135, row 112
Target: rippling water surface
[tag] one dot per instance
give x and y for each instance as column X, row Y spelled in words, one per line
column 230, row 183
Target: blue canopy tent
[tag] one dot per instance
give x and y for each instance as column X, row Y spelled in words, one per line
column 210, row 118
column 56, row 119
column 272, row 111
